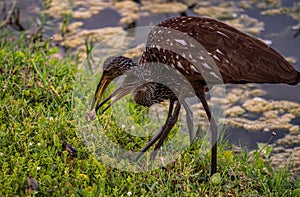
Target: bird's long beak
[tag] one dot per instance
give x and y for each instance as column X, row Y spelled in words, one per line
column 102, row 86
column 115, row 96
column 97, row 100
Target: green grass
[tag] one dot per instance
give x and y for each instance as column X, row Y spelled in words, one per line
column 40, row 101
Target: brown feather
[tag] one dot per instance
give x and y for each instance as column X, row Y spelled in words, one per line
column 245, row 59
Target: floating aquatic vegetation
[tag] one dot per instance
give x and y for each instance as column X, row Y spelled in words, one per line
column 81, row 13
column 78, row 40
column 295, row 111
column 246, row 4
column 99, row 35
column 271, row 114
column 160, row 8
column 235, row 111
column 190, row 3
column 264, row 115
column 218, row 12
column 267, row 115
column 288, row 140
column 276, row 115
column 275, row 11
column 135, row 52
column 284, row 156
column 293, row 11
column 72, row 27
column 294, row 129
column 260, row 124
column 241, row 94
column 257, row 105
column 77, row 8
column 247, row 24
column 57, row 8
column 265, row 4
column 128, row 10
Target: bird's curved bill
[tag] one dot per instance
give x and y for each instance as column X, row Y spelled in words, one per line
column 114, row 97
column 102, row 86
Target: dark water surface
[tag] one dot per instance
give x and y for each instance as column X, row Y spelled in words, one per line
column 106, row 18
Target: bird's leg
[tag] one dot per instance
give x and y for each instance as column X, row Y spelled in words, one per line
column 199, row 131
column 171, row 121
column 214, row 131
column 190, row 120
column 158, row 133
column 169, row 125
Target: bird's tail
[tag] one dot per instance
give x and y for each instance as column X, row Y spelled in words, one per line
column 296, row 80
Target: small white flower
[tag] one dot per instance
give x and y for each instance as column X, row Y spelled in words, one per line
column 39, row 144
column 51, row 118
column 38, row 168
column 30, row 143
column 133, row 127
column 123, row 126
column 1, row 154
column 129, row 193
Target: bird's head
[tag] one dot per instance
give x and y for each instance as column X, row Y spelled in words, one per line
column 116, row 66
column 113, row 67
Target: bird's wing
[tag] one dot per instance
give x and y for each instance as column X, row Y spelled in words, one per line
column 238, row 56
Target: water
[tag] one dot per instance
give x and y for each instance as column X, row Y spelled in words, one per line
column 248, row 139
column 100, row 21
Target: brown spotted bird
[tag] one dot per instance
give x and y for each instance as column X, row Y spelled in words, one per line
column 206, row 52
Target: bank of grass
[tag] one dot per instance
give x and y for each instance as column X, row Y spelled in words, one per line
column 37, row 118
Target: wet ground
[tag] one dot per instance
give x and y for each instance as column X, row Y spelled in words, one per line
column 274, row 21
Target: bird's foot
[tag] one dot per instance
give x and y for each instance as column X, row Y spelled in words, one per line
column 91, row 115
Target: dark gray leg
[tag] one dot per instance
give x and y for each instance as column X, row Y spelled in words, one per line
column 189, row 120
column 169, row 125
column 158, row 134
column 214, row 131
